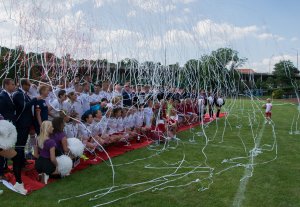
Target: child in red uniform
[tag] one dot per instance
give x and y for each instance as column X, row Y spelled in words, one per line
column 189, row 110
column 172, row 122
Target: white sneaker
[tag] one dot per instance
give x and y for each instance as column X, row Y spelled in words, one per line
column 266, row 122
column 45, row 178
column 19, row 187
column 269, row 122
column 1, row 192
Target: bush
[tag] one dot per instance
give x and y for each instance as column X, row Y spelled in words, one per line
column 277, row 94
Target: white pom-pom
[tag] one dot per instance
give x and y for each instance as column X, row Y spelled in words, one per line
column 200, row 101
column 220, row 101
column 8, row 134
column 210, row 100
column 64, row 165
column 76, row 147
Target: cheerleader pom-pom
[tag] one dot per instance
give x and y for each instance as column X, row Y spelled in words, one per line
column 210, row 100
column 8, row 134
column 76, row 146
column 220, row 101
column 64, row 165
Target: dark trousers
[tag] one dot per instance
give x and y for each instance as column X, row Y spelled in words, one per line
column 44, row 165
column 22, row 138
column 17, row 166
column 211, row 113
column 19, row 159
column 218, row 112
column 3, row 165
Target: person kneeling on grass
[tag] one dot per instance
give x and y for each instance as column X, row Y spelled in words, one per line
column 46, row 163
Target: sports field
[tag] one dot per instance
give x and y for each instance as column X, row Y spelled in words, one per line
column 220, row 167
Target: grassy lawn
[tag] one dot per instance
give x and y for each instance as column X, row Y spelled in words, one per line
column 206, row 172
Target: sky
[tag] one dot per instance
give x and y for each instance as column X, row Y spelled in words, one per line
column 166, row 31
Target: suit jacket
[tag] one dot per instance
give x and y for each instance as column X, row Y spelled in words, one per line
column 127, row 99
column 23, row 105
column 7, row 107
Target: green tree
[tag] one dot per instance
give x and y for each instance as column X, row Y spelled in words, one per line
column 284, row 71
column 214, row 70
column 270, row 82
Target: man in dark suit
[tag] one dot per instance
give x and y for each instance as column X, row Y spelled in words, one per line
column 23, row 104
column 7, row 107
column 8, row 111
column 127, row 96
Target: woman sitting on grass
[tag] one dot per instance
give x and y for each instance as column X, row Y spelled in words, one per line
column 44, row 151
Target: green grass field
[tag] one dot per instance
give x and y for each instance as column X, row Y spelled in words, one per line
column 275, row 180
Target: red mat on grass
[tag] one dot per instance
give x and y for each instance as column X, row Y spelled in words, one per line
column 29, row 175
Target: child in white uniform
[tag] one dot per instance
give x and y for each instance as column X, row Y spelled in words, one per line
column 268, row 107
column 148, row 114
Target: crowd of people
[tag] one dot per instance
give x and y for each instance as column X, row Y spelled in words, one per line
column 47, row 114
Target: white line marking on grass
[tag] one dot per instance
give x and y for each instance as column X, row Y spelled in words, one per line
column 240, row 194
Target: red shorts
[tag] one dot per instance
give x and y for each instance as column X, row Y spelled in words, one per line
column 268, row 114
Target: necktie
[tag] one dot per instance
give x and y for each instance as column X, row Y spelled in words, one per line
column 11, row 97
column 27, row 96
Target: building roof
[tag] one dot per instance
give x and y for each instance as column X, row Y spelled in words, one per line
column 246, row 71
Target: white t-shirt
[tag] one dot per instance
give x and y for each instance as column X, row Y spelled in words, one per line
column 77, row 107
column 139, row 118
column 201, row 105
column 50, row 98
column 105, row 94
column 33, row 92
column 103, row 125
column 120, row 124
column 85, row 101
column 95, row 97
column 57, row 106
column 112, row 125
column 126, row 122
column 116, row 94
column 71, row 130
column 85, row 130
column 131, row 120
column 148, row 113
column 268, row 107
